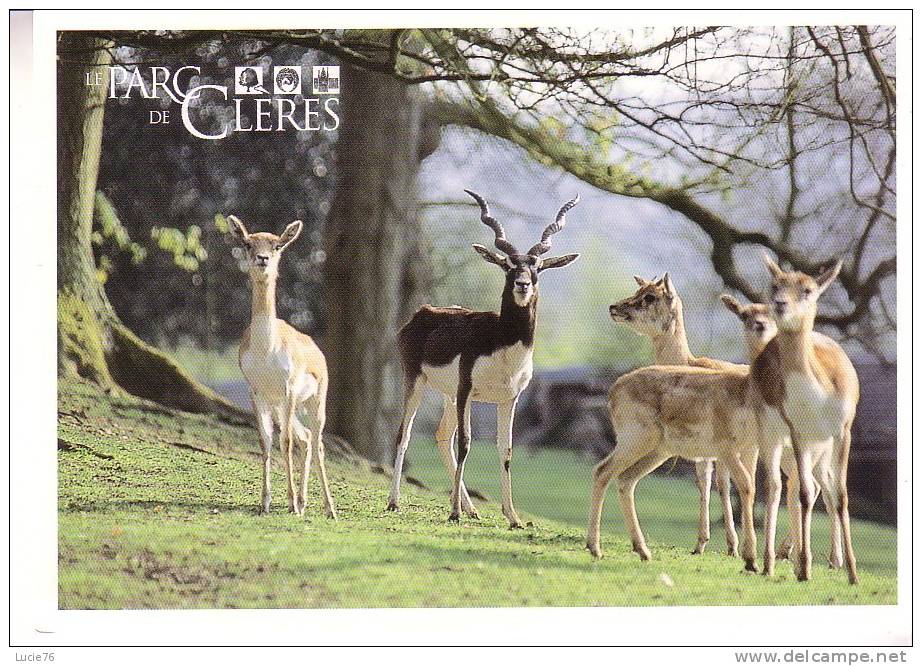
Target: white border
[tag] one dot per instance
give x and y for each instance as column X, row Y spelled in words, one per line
column 33, row 406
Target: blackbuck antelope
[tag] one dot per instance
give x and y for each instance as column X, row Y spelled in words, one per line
column 758, row 328
column 808, row 391
column 476, row 356
column 655, row 310
column 286, row 371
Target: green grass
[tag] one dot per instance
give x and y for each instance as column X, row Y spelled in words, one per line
column 208, row 366
column 554, row 483
column 157, row 510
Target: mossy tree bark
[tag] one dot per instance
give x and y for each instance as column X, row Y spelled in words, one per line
column 92, row 342
column 377, row 272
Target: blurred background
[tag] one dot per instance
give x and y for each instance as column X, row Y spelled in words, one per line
column 694, row 151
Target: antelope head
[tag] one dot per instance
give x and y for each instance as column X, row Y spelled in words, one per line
column 522, row 269
column 794, row 295
column 263, row 250
column 758, row 325
column 653, row 308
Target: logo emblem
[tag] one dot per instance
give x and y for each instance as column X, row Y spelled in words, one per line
column 326, row 80
column 287, row 80
column 249, row 81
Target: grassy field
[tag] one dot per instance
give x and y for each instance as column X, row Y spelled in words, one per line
column 555, row 484
column 157, row 510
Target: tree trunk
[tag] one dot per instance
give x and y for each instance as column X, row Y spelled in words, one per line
column 92, row 342
column 81, row 299
column 377, row 271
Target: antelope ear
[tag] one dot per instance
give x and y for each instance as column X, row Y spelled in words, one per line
column 292, row 231
column 732, row 304
column 640, row 281
column 489, row 256
column 667, row 283
column 237, row 229
column 826, row 278
column 557, row 262
column 773, row 268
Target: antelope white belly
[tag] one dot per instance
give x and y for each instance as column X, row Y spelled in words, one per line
column 503, row 375
column 268, row 375
column 497, row 378
column 816, row 415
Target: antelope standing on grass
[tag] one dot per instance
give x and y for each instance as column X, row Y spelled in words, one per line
column 663, row 411
column 758, row 328
column 808, row 391
column 655, row 310
column 286, row 371
column 482, row 356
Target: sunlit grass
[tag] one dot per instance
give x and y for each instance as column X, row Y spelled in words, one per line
column 158, row 510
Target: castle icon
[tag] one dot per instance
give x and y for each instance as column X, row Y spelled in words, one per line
column 326, row 80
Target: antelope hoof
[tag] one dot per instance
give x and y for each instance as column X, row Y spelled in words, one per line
column 732, row 551
column 802, row 577
column 453, row 517
column 699, row 549
column 784, row 551
column 750, row 565
column 644, row 553
column 472, row 513
column 852, row 579
column 331, row 514
column 392, row 505
column 516, row 526
column 595, row 550
column 835, row 563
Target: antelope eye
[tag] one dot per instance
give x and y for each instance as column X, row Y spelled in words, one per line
column 807, row 292
column 649, row 298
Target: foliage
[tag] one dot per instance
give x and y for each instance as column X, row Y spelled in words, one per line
column 186, row 248
column 111, row 235
column 157, row 510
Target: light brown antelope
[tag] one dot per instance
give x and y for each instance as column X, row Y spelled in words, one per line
column 655, row 311
column 808, row 391
column 286, row 371
column 476, row 356
column 663, row 411
column 758, row 328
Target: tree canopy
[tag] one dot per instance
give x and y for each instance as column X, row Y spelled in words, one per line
column 777, row 139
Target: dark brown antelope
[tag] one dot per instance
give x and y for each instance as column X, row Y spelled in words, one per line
column 482, row 356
